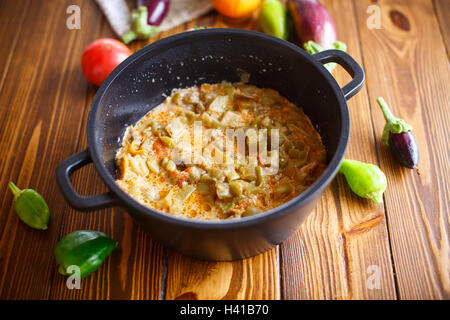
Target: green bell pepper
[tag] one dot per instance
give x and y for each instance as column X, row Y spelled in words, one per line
column 273, row 19
column 83, row 248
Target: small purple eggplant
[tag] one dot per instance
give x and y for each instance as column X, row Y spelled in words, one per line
column 157, row 10
column 398, row 136
column 313, row 22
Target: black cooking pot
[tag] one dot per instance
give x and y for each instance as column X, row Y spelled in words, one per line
column 142, row 81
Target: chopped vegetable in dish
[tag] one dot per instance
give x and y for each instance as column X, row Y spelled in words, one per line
column 219, row 151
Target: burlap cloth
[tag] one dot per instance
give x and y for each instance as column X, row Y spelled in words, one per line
column 180, row 11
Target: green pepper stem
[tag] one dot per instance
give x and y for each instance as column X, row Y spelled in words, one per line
column 14, row 189
column 390, row 118
column 139, row 21
column 140, row 25
column 140, row 29
column 339, row 45
column 312, row 47
column 129, row 36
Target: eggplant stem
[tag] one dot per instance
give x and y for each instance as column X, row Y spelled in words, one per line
column 393, row 125
column 390, row 118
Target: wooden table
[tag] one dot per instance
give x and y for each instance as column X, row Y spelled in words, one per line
column 348, row 248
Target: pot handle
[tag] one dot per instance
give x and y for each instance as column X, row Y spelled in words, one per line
column 349, row 64
column 77, row 201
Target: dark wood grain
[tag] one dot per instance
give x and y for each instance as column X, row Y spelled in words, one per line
column 134, row 270
column 47, row 108
column 13, row 20
column 409, row 68
column 36, row 107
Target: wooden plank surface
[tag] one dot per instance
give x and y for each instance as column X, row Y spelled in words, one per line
column 47, row 106
column 442, row 9
column 13, row 21
column 415, row 80
column 254, row 278
column 329, row 258
column 346, row 241
column 134, row 270
column 36, row 107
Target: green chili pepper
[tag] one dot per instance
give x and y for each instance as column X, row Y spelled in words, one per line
column 84, row 248
column 140, row 29
column 365, row 179
column 312, row 47
column 30, row 207
column 273, row 19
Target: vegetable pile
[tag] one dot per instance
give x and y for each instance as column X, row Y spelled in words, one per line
column 313, row 24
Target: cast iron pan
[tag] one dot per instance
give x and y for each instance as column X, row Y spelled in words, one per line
column 143, row 80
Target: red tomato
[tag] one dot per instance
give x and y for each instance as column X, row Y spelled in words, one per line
column 101, row 57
